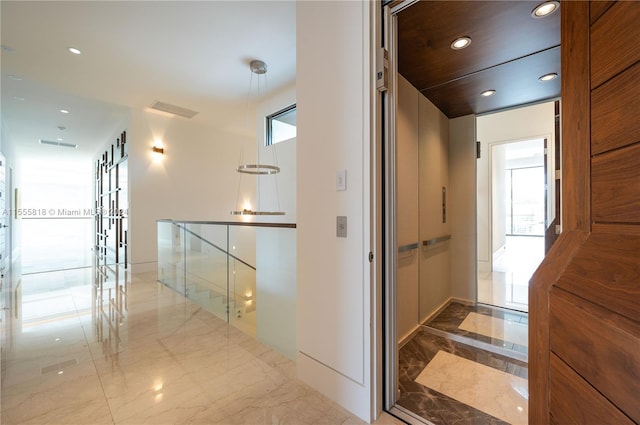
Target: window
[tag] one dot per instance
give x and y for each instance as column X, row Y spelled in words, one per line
column 281, row 126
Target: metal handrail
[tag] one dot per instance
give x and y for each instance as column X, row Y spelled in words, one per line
column 210, row 243
column 405, row 248
column 230, row 223
column 436, row 240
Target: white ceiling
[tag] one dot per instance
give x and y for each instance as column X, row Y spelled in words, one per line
column 194, row 54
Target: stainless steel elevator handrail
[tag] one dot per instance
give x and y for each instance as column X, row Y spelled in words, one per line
column 436, row 240
column 405, row 248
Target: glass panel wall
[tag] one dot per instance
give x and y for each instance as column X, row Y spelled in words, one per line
column 215, row 266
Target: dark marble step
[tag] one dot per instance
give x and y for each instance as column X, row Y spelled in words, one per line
column 447, row 323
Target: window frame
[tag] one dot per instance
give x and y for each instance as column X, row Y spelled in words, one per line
column 268, row 140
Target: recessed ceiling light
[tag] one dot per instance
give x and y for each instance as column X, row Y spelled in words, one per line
column 488, row 93
column 460, row 43
column 548, row 77
column 64, row 111
column 74, row 50
column 59, row 139
column 14, row 77
column 20, row 98
column 545, row 9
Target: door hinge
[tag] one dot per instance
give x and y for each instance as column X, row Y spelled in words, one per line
column 371, row 257
column 478, row 150
column 382, row 70
column 558, row 229
column 558, row 175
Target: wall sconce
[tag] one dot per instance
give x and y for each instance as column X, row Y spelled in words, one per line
column 157, row 151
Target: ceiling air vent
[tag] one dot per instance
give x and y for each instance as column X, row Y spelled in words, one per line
column 173, row 109
column 61, row 144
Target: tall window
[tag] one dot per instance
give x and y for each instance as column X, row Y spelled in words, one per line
column 525, row 201
column 281, row 126
column 55, row 206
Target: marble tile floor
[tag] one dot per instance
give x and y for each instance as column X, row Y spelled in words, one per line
column 124, row 349
column 445, row 381
column 504, row 289
column 507, row 285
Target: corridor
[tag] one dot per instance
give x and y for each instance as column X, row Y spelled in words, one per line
column 103, row 346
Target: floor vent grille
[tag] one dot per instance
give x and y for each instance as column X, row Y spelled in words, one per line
column 58, row 366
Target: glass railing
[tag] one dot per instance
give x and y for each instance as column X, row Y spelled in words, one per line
column 244, row 273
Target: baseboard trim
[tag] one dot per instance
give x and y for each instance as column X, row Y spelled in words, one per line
column 463, row 301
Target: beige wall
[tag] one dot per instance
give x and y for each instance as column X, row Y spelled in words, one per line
column 462, row 207
column 422, row 170
column 435, row 274
column 407, row 207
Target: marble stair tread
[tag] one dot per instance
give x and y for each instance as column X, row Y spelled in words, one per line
column 484, row 327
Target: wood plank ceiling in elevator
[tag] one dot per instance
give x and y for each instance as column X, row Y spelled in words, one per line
column 509, row 51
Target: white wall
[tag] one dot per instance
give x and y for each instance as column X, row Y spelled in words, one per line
column 278, row 192
column 498, row 195
column 334, row 91
column 532, row 122
column 196, row 179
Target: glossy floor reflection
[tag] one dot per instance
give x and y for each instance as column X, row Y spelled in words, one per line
column 462, row 368
column 107, row 347
column 508, row 284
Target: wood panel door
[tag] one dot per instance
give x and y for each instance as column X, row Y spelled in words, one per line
column 584, row 338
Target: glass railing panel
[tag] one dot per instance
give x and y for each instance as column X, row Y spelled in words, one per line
column 242, row 278
column 171, row 262
column 244, row 273
column 276, row 288
column 206, row 267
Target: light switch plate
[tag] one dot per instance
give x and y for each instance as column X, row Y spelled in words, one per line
column 341, row 226
column 341, row 180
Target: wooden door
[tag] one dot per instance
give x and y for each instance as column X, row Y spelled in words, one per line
column 584, row 338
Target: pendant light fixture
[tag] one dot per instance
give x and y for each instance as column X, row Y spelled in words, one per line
column 258, row 68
